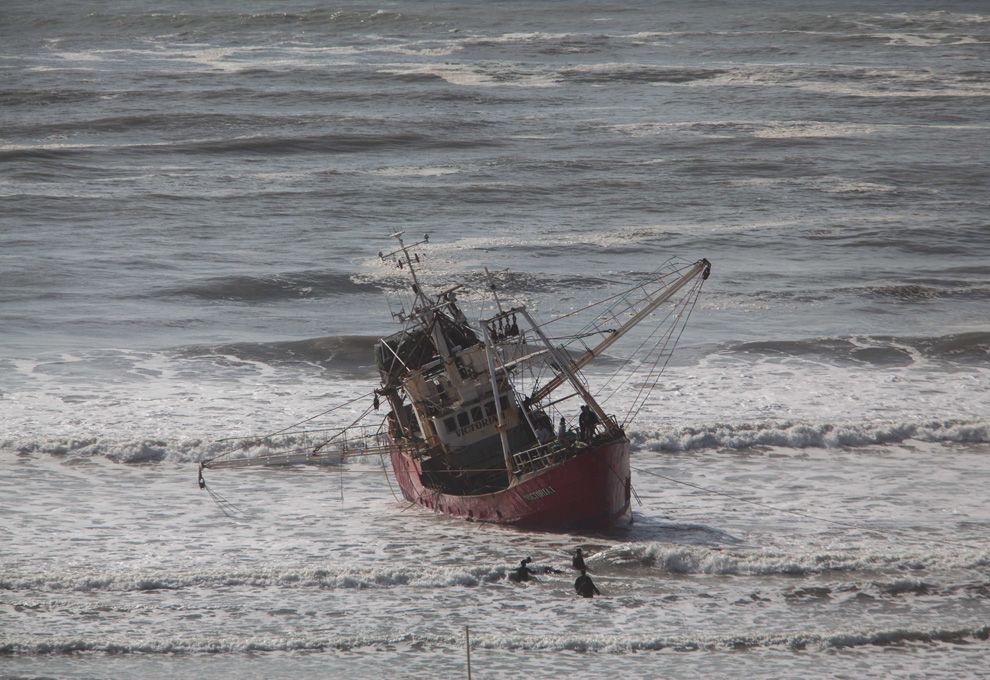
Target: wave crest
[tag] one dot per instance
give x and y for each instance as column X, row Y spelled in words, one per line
column 347, row 578
column 963, row 348
column 800, row 435
column 138, row 450
column 275, row 287
column 348, row 353
column 897, row 637
column 144, row 451
column 687, row 559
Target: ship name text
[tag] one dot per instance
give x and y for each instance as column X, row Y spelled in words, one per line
column 540, row 493
column 475, row 426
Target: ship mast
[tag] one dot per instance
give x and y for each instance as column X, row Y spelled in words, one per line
column 499, row 415
column 407, row 261
column 494, row 290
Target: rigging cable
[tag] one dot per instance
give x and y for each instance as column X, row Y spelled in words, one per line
column 662, row 347
column 659, row 326
column 656, row 275
column 285, row 429
column 640, row 400
column 344, row 430
column 227, row 507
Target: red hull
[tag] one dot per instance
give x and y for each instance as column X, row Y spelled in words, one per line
column 589, row 491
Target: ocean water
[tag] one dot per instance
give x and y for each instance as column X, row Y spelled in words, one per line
column 194, row 195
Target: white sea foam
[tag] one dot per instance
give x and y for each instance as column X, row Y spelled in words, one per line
column 475, row 74
column 415, row 171
column 421, row 50
column 786, row 434
column 867, row 91
column 166, row 450
column 272, row 576
column 826, row 184
column 812, row 128
column 680, row 559
column 746, row 640
column 866, row 83
column 531, row 36
column 215, row 645
column 936, row 17
column 812, row 435
column 148, row 409
column 537, row 642
column 730, row 129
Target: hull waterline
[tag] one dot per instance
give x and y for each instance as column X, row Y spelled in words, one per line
column 588, row 491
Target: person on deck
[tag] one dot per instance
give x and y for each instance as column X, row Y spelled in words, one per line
column 543, row 427
column 588, row 420
column 584, row 586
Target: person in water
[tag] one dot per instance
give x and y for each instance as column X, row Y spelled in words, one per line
column 578, row 561
column 523, row 573
column 584, row 586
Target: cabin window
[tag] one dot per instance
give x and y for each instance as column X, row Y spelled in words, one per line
column 462, row 419
column 450, row 424
column 476, row 414
column 490, row 409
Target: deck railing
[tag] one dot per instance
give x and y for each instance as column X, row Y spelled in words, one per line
column 543, row 455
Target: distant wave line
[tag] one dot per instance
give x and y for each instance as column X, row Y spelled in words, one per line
column 607, row 644
column 738, row 436
column 801, row 435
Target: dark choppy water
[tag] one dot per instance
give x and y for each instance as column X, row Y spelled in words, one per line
column 194, row 195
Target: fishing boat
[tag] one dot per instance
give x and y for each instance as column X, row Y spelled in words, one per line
column 481, row 416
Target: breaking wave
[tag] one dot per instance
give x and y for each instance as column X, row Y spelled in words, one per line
column 275, row 287
column 257, row 577
column 964, row 348
column 792, row 641
column 314, row 284
column 687, row 559
column 226, row 645
column 137, row 450
column 348, row 353
column 896, row 637
column 145, row 451
column 800, row 435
